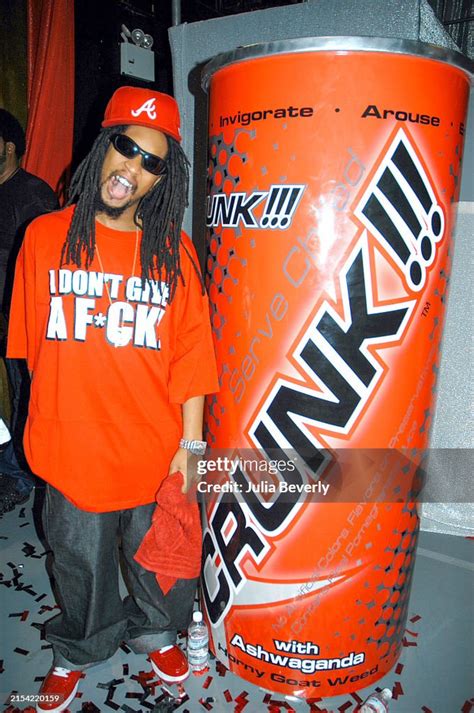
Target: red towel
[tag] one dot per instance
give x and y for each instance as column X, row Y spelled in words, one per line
column 172, row 546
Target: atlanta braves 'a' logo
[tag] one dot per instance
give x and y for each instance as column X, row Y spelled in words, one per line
column 148, row 107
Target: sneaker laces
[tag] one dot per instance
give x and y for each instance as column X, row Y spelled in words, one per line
column 61, row 672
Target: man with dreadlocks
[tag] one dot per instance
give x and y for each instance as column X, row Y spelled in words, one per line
column 110, row 312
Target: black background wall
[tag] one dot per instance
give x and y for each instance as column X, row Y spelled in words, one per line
column 97, row 30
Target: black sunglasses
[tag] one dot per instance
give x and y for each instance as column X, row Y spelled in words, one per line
column 128, row 148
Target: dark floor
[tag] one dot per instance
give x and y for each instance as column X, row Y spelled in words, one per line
column 434, row 673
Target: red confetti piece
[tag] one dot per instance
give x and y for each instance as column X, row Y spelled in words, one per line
column 144, row 678
column 399, row 668
column 205, row 704
column 426, row 710
column 207, row 682
column 242, row 698
column 397, row 690
column 345, row 706
column 356, row 697
column 241, row 701
column 468, row 706
column 415, row 618
column 405, row 642
column 25, row 615
column 220, row 668
column 412, row 633
column 228, row 696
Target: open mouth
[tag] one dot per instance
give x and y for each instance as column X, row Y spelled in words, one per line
column 119, row 187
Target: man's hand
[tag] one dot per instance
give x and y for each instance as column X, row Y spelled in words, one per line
column 184, row 462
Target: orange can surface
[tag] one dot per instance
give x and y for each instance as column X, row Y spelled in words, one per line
column 333, row 177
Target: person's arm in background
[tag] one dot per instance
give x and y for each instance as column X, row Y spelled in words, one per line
column 21, row 343
column 38, row 198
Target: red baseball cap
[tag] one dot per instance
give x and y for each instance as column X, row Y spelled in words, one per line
column 134, row 105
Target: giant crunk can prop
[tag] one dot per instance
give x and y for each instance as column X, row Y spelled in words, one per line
column 334, row 170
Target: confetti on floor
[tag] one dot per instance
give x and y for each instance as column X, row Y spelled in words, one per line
column 125, row 683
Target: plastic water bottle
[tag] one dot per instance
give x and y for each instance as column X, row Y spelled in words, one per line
column 377, row 702
column 198, row 643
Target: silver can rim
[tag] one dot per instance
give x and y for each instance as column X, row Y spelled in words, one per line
column 341, row 45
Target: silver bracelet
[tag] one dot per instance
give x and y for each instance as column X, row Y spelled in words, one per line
column 197, row 448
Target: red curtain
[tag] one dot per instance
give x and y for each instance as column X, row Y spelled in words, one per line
column 49, row 132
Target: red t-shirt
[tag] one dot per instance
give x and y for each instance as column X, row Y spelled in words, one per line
column 111, row 367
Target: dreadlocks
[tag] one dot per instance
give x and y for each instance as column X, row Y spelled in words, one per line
column 160, row 213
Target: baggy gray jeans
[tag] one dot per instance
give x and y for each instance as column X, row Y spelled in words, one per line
column 94, row 619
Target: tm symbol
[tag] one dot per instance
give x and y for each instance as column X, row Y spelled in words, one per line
column 425, row 309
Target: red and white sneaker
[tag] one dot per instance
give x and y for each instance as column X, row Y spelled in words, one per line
column 58, row 689
column 170, row 664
